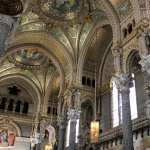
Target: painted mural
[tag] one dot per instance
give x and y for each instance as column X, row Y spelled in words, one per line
column 7, row 137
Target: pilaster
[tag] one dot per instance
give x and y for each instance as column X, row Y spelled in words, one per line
column 117, row 53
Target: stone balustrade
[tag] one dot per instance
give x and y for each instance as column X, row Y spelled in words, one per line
column 113, row 138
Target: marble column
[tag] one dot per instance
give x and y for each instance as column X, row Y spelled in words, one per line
column 123, row 82
column 6, row 25
column 145, row 63
column 73, row 116
column 62, row 131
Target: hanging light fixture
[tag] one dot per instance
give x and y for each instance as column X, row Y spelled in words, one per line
column 48, row 147
column 94, row 132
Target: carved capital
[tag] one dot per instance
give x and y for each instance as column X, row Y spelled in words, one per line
column 123, row 82
column 73, row 115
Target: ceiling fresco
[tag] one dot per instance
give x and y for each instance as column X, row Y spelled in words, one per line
column 29, row 58
column 71, row 36
column 64, row 12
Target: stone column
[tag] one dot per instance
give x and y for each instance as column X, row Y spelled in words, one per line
column 62, row 131
column 73, row 116
column 123, row 83
column 6, row 25
column 145, row 63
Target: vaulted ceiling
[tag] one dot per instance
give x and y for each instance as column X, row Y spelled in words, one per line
column 65, row 30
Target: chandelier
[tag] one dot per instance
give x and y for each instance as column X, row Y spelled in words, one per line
column 64, row 12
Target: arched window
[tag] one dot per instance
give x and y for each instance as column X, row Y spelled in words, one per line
column 93, row 83
column 130, row 28
column 10, row 106
column 25, row 108
column 49, row 110
column 3, row 103
column 117, row 103
column 125, row 32
column 83, row 80
column 18, row 105
column 88, row 82
column 135, row 69
column 68, row 132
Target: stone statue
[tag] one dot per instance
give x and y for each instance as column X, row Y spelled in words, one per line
column 51, row 137
column 47, row 133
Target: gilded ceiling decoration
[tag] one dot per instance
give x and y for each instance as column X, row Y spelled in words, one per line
column 64, row 12
column 29, row 58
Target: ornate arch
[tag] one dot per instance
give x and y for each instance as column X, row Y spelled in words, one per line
column 113, row 18
column 84, row 50
column 50, row 55
column 87, row 98
column 132, row 55
column 114, row 21
column 8, row 123
column 126, row 53
column 51, row 47
column 30, row 86
column 101, row 66
column 49, row 90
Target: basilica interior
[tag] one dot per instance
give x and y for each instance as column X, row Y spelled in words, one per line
column 75, row 74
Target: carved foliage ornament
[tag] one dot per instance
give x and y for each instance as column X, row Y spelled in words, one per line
column 123, row 82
